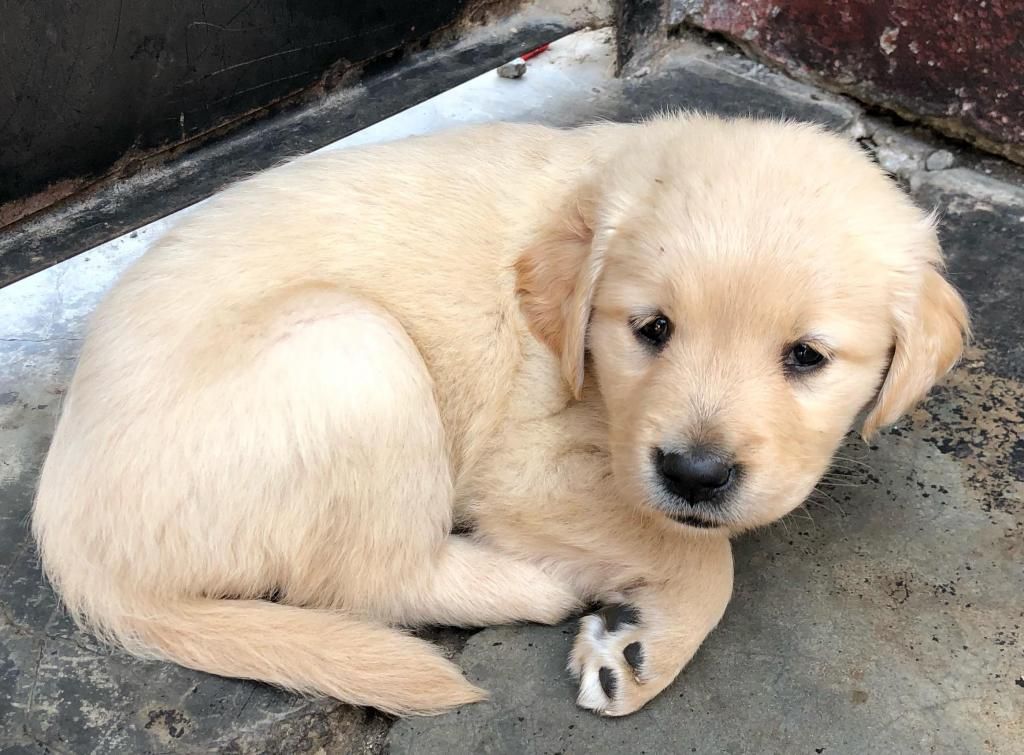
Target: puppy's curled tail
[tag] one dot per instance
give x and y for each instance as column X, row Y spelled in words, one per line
column 312, row 651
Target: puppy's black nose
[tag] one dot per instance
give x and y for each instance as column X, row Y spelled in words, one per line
column 696, row 475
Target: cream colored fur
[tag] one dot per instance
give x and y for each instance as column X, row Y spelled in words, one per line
column 303, row 387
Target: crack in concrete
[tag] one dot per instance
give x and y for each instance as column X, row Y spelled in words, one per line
column 15, row 560
column 35, row 682
column 248, row 699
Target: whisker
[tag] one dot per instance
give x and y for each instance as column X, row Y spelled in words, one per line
column 851, row 460
column 838, row 506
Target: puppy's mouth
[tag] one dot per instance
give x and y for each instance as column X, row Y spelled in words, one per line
column 692, row 520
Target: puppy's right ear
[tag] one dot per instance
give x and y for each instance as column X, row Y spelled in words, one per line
column 555, row 280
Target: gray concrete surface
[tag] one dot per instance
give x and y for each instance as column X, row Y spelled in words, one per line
column 885, row 616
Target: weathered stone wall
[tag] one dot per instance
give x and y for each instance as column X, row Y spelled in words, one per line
column 957, row 65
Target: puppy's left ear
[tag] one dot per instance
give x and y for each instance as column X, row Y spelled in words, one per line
column 556, row 276
column 932, row 324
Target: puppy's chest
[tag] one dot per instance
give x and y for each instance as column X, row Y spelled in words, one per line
column 540, row 460
column 532, row 441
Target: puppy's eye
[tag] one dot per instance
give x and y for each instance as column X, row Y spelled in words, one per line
column 655, row 332
column 803, row 358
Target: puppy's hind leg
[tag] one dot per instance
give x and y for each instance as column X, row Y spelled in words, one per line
column 395, row 560
column 377, row 467
column 298, row 449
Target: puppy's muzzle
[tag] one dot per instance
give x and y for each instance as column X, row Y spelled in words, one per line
column 698, row 476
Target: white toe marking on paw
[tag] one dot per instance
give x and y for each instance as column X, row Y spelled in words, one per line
column 597, row 648
column 591, row 695
column 593, row 627
column 603, row 646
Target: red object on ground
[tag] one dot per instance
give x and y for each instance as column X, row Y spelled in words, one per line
column 535, row 51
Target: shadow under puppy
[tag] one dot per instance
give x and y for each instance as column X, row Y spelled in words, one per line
column 606, row 350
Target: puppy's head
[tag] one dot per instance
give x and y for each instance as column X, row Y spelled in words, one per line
column 745, row 289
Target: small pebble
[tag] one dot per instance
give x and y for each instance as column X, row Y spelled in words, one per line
column 514, row 69
column 939, row 160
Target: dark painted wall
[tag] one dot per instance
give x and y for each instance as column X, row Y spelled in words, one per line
column 88, row 84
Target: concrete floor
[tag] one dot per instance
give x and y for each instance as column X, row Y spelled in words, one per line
column 885, row 616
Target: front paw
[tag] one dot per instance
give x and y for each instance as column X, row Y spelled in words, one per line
column 610, row 660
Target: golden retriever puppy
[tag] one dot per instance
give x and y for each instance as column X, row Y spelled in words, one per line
column 601, row 351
